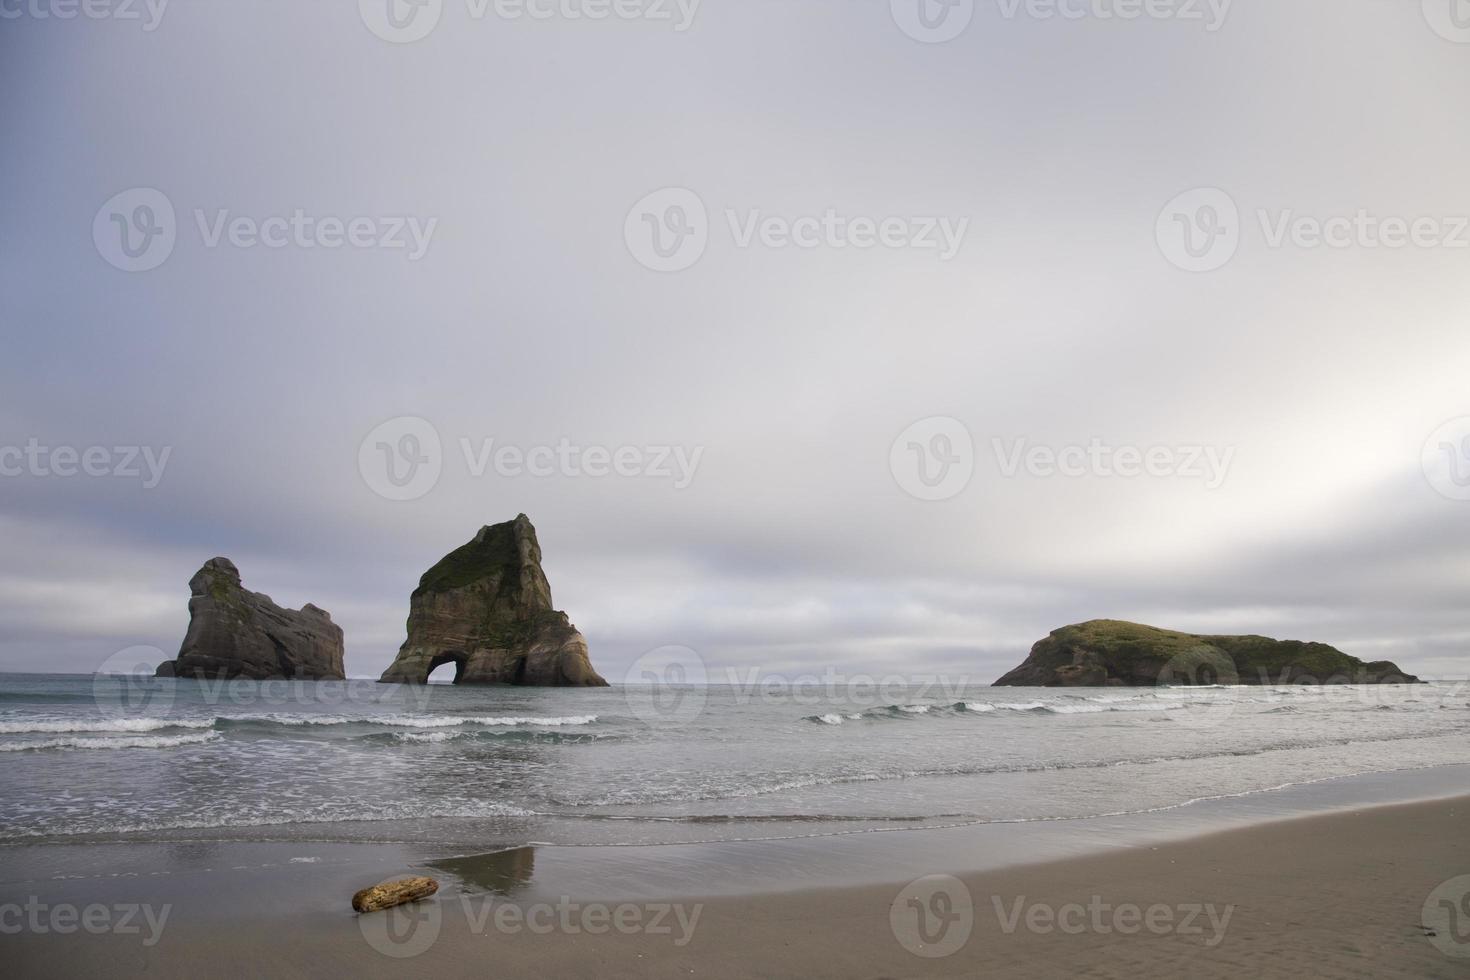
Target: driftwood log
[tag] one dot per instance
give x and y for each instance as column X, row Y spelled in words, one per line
column 391, row 893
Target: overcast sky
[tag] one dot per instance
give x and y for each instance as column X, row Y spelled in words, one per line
column 1033, row 288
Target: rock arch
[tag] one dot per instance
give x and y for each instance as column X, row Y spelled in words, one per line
column 486, row 606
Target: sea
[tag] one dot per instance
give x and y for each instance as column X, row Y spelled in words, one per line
column 125, row 758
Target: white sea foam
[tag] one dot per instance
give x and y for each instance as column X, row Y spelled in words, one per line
column 428, row 737
column 224, row 817
column 37, row 727
column 390, row 759
column 413, row 721
column 131, row 725
column 112, row 742
column 1088, row 709
column 1097, row 706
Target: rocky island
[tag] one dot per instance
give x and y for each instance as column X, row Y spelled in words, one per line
column 486, row 608
column 237, row 633
column 1112, row 653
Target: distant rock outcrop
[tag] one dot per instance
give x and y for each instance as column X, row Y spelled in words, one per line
column 236, row 633
column 486, row 608
column 1111, row 653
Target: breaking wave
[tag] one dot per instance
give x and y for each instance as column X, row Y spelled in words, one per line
column 518, row 735
column 100, row 725
column 409, row 721
column 890, row 711
column 139, row 725
column 113, row 742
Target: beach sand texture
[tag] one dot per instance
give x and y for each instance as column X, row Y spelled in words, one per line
column 1335, row 895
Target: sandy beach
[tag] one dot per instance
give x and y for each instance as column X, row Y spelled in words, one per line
column 1335, row 895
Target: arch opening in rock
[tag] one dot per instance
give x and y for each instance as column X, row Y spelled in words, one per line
column 450, row 657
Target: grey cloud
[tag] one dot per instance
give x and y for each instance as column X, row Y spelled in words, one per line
column 528, row 321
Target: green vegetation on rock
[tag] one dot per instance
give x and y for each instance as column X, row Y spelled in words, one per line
column 496, row 552
column 1109, row 652
column 486, row 607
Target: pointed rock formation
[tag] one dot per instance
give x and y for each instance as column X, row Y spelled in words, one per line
column 236, row 633
column 486, row 608
column 1112, row 653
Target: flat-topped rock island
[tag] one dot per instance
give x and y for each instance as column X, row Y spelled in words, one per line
column 1113, row 653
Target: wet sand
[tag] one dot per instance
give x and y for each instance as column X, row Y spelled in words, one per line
column 1335, row 895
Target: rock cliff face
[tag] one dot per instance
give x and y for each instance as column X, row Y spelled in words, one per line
column 486, row 608
column 237, row 633
column 1107, row 652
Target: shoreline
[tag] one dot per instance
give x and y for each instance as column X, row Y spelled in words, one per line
column 1334, row 895
column 1303, row 858
column 745, row 865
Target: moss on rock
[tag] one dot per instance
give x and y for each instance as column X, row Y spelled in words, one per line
column 1110, row 652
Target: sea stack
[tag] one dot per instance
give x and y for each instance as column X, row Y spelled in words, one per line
column 486, row 608
column 236, row 633
column 1112, row 653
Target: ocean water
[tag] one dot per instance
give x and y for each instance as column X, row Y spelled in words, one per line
column 109, row 758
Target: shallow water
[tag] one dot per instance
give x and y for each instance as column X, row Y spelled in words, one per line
column 487, row 768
